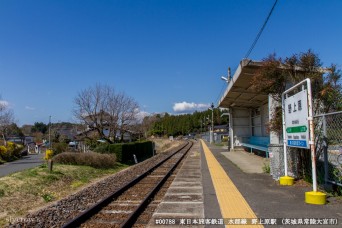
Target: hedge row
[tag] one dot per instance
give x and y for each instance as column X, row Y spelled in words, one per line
column 124, row 151
column 92, row 159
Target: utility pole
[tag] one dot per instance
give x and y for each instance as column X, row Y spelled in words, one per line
column 212, row 123
column 204, row 124
column 50, row 144
column 212, row 117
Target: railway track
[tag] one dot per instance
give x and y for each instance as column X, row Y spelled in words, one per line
column 122, row 207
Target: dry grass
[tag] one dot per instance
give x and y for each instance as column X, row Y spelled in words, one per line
column 92, row 159
column 163, row 145
column 34, row 188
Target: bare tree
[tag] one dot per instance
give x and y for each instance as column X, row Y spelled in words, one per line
column 6, row 118
column 147, row 124
column 105, row 111
column 127, row 113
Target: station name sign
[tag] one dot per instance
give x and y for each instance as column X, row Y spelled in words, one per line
column 296, row 120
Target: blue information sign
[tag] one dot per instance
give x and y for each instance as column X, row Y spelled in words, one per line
column 297, row 143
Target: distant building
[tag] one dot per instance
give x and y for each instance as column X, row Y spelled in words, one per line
column 67, row 133
column 221, row 129
column 28, row 140
column 21, row 139
column 15, row 139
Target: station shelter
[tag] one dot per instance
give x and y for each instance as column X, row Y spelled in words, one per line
column 248, row 111
column 249, row 115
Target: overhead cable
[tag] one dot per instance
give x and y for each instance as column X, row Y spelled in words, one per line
column 260, row 32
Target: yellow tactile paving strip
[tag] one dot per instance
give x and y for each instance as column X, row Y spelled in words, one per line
column 232, row 204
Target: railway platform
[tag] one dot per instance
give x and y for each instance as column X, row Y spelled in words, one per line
column 216, row 189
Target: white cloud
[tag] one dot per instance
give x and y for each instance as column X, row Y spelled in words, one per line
column 4, row 103
column 189, row 107
column 141, row 115
column 29, row 108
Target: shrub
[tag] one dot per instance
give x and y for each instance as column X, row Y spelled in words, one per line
column 6, row 153
column 2, row 192
column 92, row 143
column 47, row 197
column 10, row 146
column 3, row 151
column 117, row 150
column 92, row 159
column 18, row 149
column 142, row 150
column 124, row 151
column 266, row 168
column 68, row 158
column 102, row 148
column 10, row 152
column 59, row 147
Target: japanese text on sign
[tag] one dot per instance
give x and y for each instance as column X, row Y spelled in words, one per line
column 296, row 120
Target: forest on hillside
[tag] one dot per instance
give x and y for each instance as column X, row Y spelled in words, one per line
column 174, row 125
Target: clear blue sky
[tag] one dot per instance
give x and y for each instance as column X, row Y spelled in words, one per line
column 160, row 52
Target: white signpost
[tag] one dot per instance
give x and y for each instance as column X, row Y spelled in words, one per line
column 298, row 130
column 296, row 120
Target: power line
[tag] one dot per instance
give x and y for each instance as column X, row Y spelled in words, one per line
column 261, row 30
column 221, row 93
column 252, row 46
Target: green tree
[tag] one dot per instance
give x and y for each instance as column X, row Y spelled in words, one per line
column 14, row 130
column 278, row 74
column 331, row 93
column 39, row 127
column 184, row 124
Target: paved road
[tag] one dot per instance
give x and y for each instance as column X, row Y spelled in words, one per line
column 25, row 162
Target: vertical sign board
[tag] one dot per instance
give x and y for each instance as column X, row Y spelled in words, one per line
column 296, row 120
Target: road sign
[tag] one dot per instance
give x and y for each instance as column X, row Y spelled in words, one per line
column 296, row 120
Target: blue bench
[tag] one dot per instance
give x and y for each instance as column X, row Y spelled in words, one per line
column 257, row 143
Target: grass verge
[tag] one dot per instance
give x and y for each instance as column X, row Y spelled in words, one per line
column 34, row 188
column 266, row 167
column 163, row 145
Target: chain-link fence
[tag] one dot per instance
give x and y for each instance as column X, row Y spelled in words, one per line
column 328, row 144
column 328, row 134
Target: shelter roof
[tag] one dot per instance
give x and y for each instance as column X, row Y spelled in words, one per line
column 239, row 92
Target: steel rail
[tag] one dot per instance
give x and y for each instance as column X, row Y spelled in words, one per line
column 85, row 215
column 129, row 222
